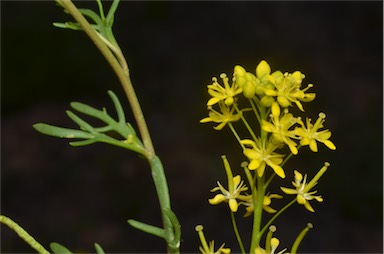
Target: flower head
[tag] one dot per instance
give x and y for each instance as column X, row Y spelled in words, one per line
column 261, row 155
column 225, row 116
column 302, row 188
column 279, row 126
column 286, row 87
column 309, row 134
column 235, row 187
column 205, row 249
column 266, row 204
column 220, row 93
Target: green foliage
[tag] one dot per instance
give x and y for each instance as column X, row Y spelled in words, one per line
column 60, row 249
column 90, row 134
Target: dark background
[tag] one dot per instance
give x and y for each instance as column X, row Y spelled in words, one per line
column 78, row 196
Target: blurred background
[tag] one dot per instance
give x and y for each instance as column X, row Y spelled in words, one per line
column 78, row 196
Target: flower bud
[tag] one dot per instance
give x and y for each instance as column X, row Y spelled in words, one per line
column 267, row 101
column 240, row 81
column 284, row 102
column 239, row 71
column 249, row 89
column 262, row 69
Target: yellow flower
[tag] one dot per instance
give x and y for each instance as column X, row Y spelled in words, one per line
column 280, row 127
column 302, row 188
column 235, row 187
column 226, row 93
column 227, row 115
column 266, row 202
column 205, row 249
column 287, row 89
column 261, row 155
column 309, row 135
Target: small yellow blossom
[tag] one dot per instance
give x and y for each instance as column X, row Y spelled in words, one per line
column 310, row 134
column 235, row 187
column 266, row 204
column 287, row 89
column 280, row 127
column 261, row 155
column 220, row 93
column 225, row 116
column 302, row 188
column 205, row 249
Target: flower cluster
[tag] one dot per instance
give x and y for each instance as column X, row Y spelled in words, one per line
column 275, row 134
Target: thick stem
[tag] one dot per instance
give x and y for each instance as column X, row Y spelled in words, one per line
column 258, row 212
column 122, row 75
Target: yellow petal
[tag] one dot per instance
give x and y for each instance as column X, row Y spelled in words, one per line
column 233, row 205
column 261, row 168
column 313, row 145
column 329, row 144
column 288, row 191
column 254, row 164
column 251, row 154
column 267, row 126
column 309, row 207
column 301, row 200
column 278, row 170
column 213, row 101
column 217, row 199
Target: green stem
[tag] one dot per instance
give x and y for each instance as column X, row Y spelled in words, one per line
column 23, row 234
column 238, row 237
column 258, row 212
column 246, row 124
column 277, row 215
column 236, row 135
column 122, row 75
column 255, row 111
column 300, row 237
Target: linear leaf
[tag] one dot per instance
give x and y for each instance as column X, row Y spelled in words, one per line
column 153, row 230
column 99, row 250
column 61, row 132
column 59, row 249
column 83, row 124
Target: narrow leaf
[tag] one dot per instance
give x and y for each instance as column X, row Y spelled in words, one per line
column 61, row 132
column 118, row 107
column 83, row 124
column 91, row 111
column 83, row 142
column 153, row 230
column 111, row 13
column 99, row 250
column 59, row 249
column 68, row 25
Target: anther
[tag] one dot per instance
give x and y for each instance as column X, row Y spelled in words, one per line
column 327, row 164
column 223, row 75
column 272, row 228
column 322, row 115
column 199, row 228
